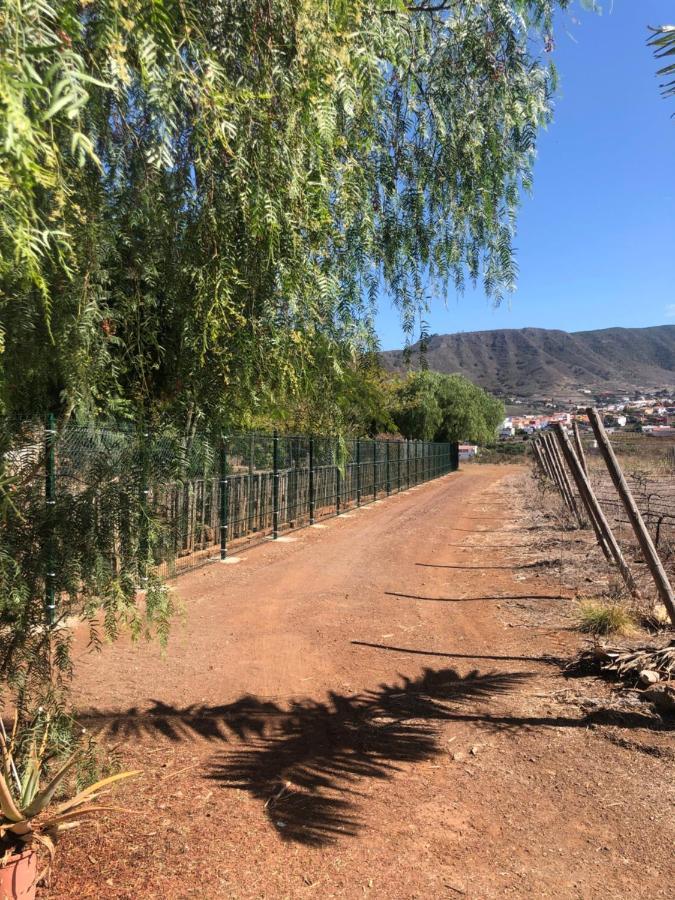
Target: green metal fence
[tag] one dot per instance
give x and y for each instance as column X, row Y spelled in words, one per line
column 173, row 504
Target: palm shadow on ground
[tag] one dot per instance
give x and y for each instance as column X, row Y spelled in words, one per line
column 308, row 768
column 307, row 762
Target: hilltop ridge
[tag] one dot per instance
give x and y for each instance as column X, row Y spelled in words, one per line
column 529, row 362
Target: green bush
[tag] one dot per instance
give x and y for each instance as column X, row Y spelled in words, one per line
column 600, row 618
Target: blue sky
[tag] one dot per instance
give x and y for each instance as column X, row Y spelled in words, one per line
column 596, row 239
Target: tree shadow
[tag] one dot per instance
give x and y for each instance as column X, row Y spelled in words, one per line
column 474, row 599
column 559, row 661
column 540, row 564
column 306, row 769
column 242, row 719
column 548, row 542
column 305, row 762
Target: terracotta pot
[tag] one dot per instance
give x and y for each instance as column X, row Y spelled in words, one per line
column 18, row 876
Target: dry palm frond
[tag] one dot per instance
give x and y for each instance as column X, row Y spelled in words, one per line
column 626, row 663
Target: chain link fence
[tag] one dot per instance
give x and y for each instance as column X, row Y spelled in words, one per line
column 126, row 505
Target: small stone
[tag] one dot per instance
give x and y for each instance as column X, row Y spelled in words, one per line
column 458, row 757
column 649, row 676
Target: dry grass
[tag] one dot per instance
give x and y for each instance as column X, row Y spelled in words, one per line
column 599, row 617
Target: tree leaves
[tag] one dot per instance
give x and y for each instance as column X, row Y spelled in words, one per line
column 662, row 42
column 230, row 187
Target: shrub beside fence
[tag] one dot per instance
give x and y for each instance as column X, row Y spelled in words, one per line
column 139, row 503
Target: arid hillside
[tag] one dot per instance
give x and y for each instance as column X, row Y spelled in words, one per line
column 536, row 361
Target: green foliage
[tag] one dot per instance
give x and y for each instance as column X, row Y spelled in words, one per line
column 437, row 407
column 662, row 42
column 30, row 814
column 353, row 399
column 97, row 539
column 504, row 452
column 200, row 201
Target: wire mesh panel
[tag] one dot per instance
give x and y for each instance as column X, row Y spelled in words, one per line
column 155, row 502
column 326, row 476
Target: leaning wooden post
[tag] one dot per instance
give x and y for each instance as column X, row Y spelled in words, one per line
column 652, row 559
column 600, row 525
column 548, row 457
column 580, row 447
column 561, row 477
column 539, row 458
column 566, row 481
column 541, row 447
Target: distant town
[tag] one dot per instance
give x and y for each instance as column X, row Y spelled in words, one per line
column 645, row 413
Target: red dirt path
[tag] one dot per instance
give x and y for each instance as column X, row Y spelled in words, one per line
column 376, row 710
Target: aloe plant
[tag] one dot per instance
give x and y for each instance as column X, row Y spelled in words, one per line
column 29, row 813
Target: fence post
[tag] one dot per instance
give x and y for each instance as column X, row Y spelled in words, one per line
column 50, row 502
column 581, row 456
column 605, row 537
column 407, row 463
column 224, row 497
column 338, row 478
column 398, row 466
column 388, row 477
column 539, row 458
column 144, row 491
column 251, row 504
column 312, row 486
column 540, row 447
column 548, row 454
column 652, row 558
column 275, row 485
column 563, row 480
column 374, row 470
column 358, row 472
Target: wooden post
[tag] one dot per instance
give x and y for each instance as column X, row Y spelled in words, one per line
column 539, row 458
column 561, row 476
column 580, row 447
column 603, row 532
column 546, row 456
column 568, row 487
column 652, row 559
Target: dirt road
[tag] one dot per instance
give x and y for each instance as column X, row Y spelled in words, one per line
column 376, row 709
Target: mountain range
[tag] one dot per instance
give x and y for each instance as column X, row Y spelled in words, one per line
column 539, row 362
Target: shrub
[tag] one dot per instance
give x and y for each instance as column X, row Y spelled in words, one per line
column 598, row 618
